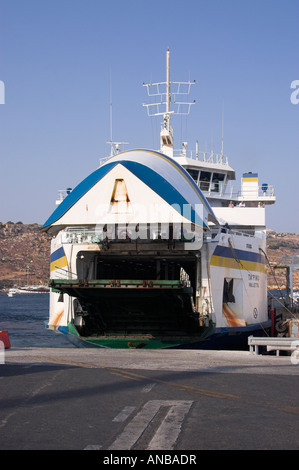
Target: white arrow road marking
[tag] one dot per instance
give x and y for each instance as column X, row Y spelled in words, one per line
column 170, row 428
column 124, row 414
column 148, row 387
column 168, row 431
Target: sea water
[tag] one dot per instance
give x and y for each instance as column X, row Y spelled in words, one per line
column 24, row 317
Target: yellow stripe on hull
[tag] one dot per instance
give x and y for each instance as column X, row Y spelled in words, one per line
column 222, row 262
column 58, row 263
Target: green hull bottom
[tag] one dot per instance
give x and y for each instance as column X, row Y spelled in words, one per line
column 123, row 341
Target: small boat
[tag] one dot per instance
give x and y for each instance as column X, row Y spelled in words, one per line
column 28, row 290
column 11, row 292
column 38, row 289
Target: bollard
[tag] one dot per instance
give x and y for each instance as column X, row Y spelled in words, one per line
column 5, row 339
column 272, row 319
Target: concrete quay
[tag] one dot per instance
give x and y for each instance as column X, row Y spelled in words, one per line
column 241, row 362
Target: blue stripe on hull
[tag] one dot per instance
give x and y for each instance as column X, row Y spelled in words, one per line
column 57, row 254
column 243, row 255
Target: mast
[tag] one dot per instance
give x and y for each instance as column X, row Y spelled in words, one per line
column 163, row 106
column 222, row 137
column 167, row 82
column 111, row 140
column 166, row 134
column 114, row 146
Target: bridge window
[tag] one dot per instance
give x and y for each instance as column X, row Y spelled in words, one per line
column 217, row 182
column 204, row 180
column 194, row 174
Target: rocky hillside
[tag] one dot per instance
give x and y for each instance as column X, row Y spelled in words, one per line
column 25, row 255
column 280, row 246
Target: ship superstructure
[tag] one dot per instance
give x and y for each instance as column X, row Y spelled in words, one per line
column 156, row 248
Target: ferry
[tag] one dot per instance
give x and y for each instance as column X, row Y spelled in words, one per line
column 159, row 248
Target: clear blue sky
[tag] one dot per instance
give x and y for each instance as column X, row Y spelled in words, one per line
column 55, row 62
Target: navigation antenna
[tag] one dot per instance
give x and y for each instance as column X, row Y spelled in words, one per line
column 114, row 146
column 166, row 91
column 222, row 137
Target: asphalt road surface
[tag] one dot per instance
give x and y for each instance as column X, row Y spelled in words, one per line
column 130, row 400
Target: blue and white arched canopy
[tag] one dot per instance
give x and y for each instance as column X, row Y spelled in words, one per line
column 137, row 186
